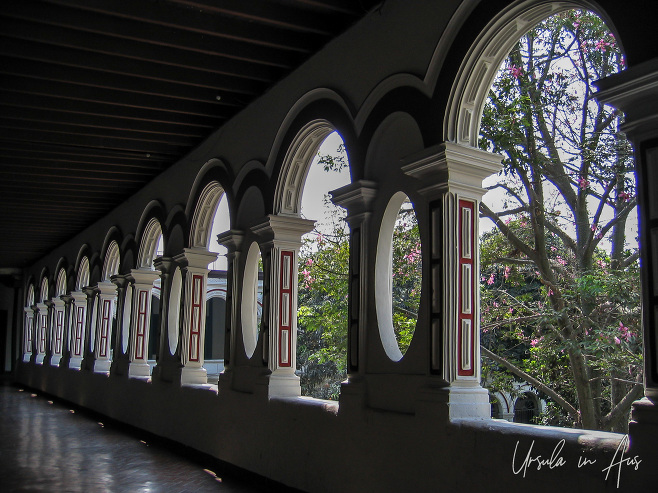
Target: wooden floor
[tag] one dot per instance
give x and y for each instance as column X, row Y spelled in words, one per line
column 47, row 445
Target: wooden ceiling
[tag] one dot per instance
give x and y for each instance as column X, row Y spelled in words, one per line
column 99, row 96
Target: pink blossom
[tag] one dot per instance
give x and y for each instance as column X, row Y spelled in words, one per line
column 550, row 292
column 309, row 261
column 507, row 271
column 601, row 45
column 617, row 341
column 495, row 304
column 624, row 196
column 561, row 261
column 583, row 183
column 515, row 71
column 490, row 281
column 534, row 342
column 594, row 226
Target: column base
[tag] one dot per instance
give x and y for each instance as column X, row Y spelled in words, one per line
column 283, row 385
column 27, row 357
column 139, row 370
column 55, row 359
column 456, row 402
column 102, row 366
column 193, row 376
column 39, row 359
column 75, row 363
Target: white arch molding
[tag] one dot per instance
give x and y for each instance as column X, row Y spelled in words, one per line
column 478, row 70
column 149, row 243
column 203, row 215
column 296, row 164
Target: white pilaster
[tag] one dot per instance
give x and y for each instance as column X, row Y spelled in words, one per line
column 106, row 310
column 140, row 322
column 78, row 324
column 57, row 343
column 282, row 238
column 28, row 334
column 194, row 263
column 41, row 332
column 453, row 176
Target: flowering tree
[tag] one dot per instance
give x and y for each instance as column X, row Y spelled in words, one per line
column 560, row 286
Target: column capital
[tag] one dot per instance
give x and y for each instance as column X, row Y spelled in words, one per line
column 90, row 291
column 144, row 276
column 276, row 228
column 356, row 198
column 165, row 265
column 195, row 258
column 635, row 92
column 107, row 288
column 231, row 239
column 122, row 280
column 451, row 167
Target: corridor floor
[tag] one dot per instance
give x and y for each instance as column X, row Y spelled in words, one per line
column 46, row 445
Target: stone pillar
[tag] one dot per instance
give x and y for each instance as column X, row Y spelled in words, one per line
column 42, row 327
column 28, row 333
column 451, row 180
column 635, row 92
column 58, row 324
column 232, row 240
column 194, row 263
column 167, row 368
column 357, row 199
column 78, row 324
column 120, row 361
column 282, row 238
column 140, row 322
column 91, row 324
column 103, row 326
column 68, row 325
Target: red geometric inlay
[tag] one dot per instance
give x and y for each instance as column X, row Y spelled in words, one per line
column 285, row 308
column 466, row 241
column 195, row 318
column 42, row 333
column 140, row 333
column 105, row 328
column 79, row 329
column 59, row 326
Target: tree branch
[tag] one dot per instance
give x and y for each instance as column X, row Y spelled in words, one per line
column 572, row 411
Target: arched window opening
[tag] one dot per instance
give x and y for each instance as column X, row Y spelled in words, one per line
column 398, row 276
column 323, row 275
column 526, row 409
column 560, row 280
column 104, row 313
column 221, row 222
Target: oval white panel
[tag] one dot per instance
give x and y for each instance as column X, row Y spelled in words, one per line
column 173, row 312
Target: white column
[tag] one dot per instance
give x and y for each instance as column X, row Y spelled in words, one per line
column 140, row 322
column 451, row 177
column 28, row 333
column 282, row 238
column 41, row 332
column 57, row 343
column 106, row 300
column 232, row 240
column 356, row 198
column 78, row 324
column 194, row 264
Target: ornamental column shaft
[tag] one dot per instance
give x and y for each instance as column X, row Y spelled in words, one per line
column 104, row 319
column 66, row 335
column 194, row 264
column 42, row 327
column 28, row 334
column 78, row 324
column 282, row 239
column 167, row 367
column 356, row 198
column 453, row 176
column 232, row 240
column 59, row 319
column 140, row 322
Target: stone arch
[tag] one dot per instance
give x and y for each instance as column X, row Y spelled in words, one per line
column 82, row 279
column 111, row 261
column 204, row 212
column 44, row 287
column 477, row 72
column 61, row 284
column 149, row 243
column 296, row 164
